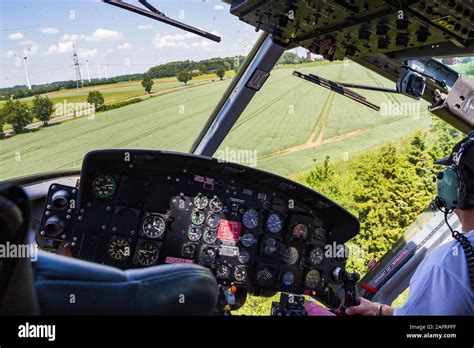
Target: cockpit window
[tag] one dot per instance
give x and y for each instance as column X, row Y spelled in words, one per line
column 84, row 75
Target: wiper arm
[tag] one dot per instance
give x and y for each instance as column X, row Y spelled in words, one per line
column 368, row 88
column 153, row 13
column 342, row 88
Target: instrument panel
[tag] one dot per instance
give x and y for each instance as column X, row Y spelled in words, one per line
column 254, row 230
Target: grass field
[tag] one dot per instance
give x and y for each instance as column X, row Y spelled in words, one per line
column 290, row 123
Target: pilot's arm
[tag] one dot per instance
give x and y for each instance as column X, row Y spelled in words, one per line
column 434, row 290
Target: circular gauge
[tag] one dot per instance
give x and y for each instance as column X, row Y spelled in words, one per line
column 104, row 186
column 198, row 217
column 209, row 236
column 319, row 233
column 300, row 231
column 147, row 254
column 119, row 249
column 240, row 274
column 213, row 220
column 201, row 201
column 265, row 276
column 316, row 256
column 194, row 233
column 244, row 257
column 312, row 279
column 291, row 255
column 208, row 255
column 250, row 219
column 216, row 205
column 248, row 240
column 153, row 227
column 274, row 223
column 288, row 279
column 223, row 272
column 270, row 247
column 179, row 203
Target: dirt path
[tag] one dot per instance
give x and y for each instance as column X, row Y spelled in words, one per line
column 314, row 144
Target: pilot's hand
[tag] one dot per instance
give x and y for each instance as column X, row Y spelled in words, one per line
column 369, row 308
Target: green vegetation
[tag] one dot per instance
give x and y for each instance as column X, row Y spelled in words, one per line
column 96, row 98
column 387, row 189
column 147, row 83
column 184, row 76
column 17, row 114
column 42, row 109
column 220, row 72
column 204, row 66
column 291, row 58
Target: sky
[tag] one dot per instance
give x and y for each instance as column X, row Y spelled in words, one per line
column 109, row 40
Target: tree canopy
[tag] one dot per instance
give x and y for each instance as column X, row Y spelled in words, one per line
column 42, row 109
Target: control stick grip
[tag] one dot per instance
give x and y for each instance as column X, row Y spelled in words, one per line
column 349, row 282
column 351, row 293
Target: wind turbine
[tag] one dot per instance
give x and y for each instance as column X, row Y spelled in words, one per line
column 25, row 58
column 87, row 69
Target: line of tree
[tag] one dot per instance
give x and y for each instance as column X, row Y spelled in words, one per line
column 22, row 91
column 204, row 66
column 291, row 58
column 19, row 115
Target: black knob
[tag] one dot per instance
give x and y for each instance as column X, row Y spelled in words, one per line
column 60, row 200
column 54, row 226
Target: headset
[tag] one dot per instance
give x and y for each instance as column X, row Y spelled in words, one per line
column 455, row 190
column 455, row 183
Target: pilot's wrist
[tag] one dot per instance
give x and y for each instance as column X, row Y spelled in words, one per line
column 385, row 310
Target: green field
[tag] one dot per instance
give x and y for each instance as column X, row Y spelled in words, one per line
column 290, row 123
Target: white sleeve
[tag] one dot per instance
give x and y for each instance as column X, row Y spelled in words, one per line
column 435, row 291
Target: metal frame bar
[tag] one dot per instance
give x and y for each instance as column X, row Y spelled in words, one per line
column 153, row 13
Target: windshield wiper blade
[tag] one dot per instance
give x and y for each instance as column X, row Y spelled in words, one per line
column 153, row 13
column 338, row 88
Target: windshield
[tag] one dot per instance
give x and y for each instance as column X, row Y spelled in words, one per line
column 78, row 76
column 77, row 53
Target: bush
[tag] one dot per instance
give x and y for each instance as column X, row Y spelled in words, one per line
column 17, row 114
column 42, row 109
column 97, row 99
column 184, row 76
column 147, row 83
column 220, row 72
column 120, row 104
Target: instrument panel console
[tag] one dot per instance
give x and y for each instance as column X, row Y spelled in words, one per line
column 254, row 230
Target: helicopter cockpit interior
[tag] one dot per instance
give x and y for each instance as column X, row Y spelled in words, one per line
column 136, row 231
